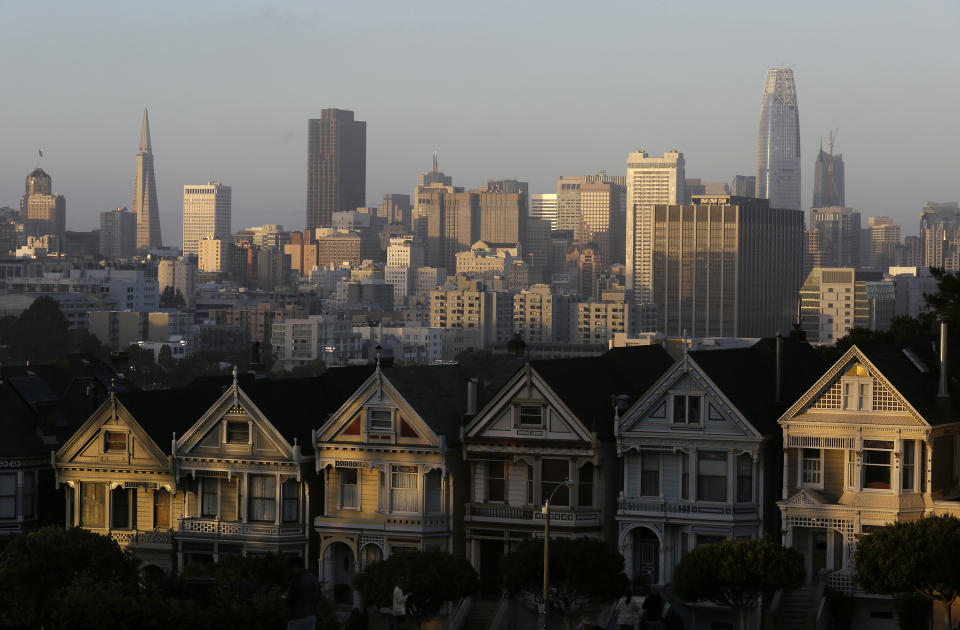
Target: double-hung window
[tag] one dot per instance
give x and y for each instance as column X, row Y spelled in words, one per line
column 263, row 498
column 877, row 464
column 404, row 489
column 711, row 476
column 349, row 488
column 744, row 478
column 210, row 496
column 585, row 485
column 909, row 469
column 649, row 474
column 684, row 475
column 92, row 504
column 379, row 421
column 29, row 494
column 8, row 495
column 811, row 468
column 496, row 481
column 290, row 494
column 687, row 409
column 530, row 416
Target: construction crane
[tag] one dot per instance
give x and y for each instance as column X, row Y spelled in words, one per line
column 831, row 137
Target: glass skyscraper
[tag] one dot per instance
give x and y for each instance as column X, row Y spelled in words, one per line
column 778, row 145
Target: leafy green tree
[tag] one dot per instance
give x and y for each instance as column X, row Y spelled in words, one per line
column 921, row 556
column 36, row 568
column 41, row 333
column 432, row 578
column 583, row 572
column 172, row 298
column 736, row 573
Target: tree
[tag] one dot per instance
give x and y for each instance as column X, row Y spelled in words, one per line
column 583, row 572
column 736, row 573
column 172, row 298
column 41, row 332
column 921, row 556
column 37, row 568
column 432, row 578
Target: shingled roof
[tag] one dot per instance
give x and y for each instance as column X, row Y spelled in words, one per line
column 18, row 427
column 748, row 377
column 586, row 384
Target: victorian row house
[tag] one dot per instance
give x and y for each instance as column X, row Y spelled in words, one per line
column 551, row 424
column 873, row 441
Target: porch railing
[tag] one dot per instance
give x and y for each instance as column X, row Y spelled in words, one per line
column 216, row 527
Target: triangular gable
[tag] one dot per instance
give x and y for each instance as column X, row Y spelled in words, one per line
column 502, row 417
column 349, row 426
column 826, row 394
column 806, row 497
column 650, row 411
column 88, row 445
column 208, row 436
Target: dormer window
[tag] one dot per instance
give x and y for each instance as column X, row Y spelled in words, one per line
column 238, row 432
column 687, row 409
column 530, row 416
column 115, row 442
column 379, row 421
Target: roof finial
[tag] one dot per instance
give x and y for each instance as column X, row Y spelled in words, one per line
column 145, row 134
column 379, row 352
column 234, row 374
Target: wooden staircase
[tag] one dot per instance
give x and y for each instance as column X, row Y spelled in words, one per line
column 798, row 608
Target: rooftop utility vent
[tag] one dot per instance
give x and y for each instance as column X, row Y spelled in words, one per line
column 917, row 363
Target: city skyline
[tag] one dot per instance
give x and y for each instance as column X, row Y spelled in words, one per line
column 260, row 141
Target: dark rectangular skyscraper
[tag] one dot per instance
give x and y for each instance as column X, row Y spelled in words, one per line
column 828, row 180
column 336, row 165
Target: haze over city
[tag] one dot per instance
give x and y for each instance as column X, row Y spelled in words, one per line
column 500, row 90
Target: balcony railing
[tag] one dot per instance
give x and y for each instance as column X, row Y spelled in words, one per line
column 560, row 516
column 677, row 508
column 841, row 581
column 214, row 527
column 390, row 522
column 125, row 538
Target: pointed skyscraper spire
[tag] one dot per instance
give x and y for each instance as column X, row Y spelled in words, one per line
column 145, row 133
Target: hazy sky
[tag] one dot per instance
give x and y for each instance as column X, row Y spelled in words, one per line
column 502, row 89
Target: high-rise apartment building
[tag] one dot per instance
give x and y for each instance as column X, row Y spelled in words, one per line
column 118, row 233
column 470, row 307
column 544, row 206
column 206, row 212
column 503, row 216
column 838, row 236
column 404, row 258
column 884, row 243
column 940, row 235
column 725, row 266
column 828, row 180
column 41, row 210
column 336, row 165
column 778, row 145
column 144, row 204
column 213, row 254
column 832, row 301
column 539, row 316
column 650, row 181
column 179, row 274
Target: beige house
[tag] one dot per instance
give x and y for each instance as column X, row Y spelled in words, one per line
column 873, row 442
column 391, row 470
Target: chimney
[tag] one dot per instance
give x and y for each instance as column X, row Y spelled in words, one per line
column 472, row 397
column 779, row 376
column 942, row 392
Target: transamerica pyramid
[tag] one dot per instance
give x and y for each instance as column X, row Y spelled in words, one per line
column 145, row 194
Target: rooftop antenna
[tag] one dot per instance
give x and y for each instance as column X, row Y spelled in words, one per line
column 435, row 155
column 831, row 138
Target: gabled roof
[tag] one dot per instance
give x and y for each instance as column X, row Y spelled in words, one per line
column 747, row 377
column 586, row 384
column 438, row 393
column 919, row 388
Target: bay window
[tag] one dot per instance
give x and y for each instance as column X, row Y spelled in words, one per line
column 744, row 478
column 811, row 468
column 877, row 466
column 8, row 495
column 349, row 488
column 909, row 470
column 290, row 495
column 210, row 497
column 585, row 485
column 29, row 494
column 496, row 481
column 649, row 474
column 92, row 504
column 684, row 475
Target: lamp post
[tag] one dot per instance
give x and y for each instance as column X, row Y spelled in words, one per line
column 545, row 510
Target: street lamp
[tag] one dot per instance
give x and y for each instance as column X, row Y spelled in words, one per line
column 545, row 510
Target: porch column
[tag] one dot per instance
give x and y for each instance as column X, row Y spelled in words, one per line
column 896, row 475
column 626, row 474
column 106, row 505
column 786, row 467
column 276, row 520
column 243, row 496
column 731, row 477
column 928, row 466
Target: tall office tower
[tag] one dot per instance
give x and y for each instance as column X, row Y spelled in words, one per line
column 940, row 233
column 396, row 208
column 508, row 186
column 336, row 165
column 884, row 243
column 118, row 233
column 503, row 217
column 601, row 221
column 828, row 179
column 537, row 251
column 584, row 265
column 743, row 186
column 42, row 211
column 568, row 201
column 778, row 146
column 838, row 236
column 206, row 212
column 451, row 224
column 144, row 204
column 832, row 301
column 650, row 181
column 696, row 186
column 911, row 253
column 726, row 266
column 544, row 206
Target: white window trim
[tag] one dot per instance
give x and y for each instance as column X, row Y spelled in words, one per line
column 543, row 416
column 486, row 483
column 368, row 425
column 687, row 394
column 894, row 467
column 642, row 456
column 865, row 404
column 802, row 483
column 340, row 489
column 390, row 488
